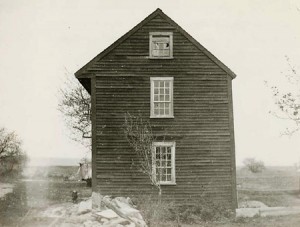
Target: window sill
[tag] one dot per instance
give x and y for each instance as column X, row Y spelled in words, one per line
column 167, row 183
column 162, row 116
column 161, row 57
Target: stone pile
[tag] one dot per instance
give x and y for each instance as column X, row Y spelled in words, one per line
column 106, row 212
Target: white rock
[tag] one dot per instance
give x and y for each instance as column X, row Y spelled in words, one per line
column 96, row 201
column 115, row 222
column 247, row 212
column 85, row 207
column 107, row 214
column 130, row 225
column 279, row 211
column 252, row 204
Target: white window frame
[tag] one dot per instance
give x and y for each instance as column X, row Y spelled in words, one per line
column 164, row 144
column 151, row 46
column 171, row 109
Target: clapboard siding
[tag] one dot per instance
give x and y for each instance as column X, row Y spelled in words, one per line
column 201, row 125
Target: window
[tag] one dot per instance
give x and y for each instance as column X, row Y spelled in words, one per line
column 163, row 161
column 161, row 97
column 161, row 45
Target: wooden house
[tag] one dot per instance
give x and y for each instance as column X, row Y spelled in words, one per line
column 159, row 71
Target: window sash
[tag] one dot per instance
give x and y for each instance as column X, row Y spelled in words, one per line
column 161, row 97
column 163, row 162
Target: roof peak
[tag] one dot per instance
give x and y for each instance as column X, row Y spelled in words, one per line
column 156, row 12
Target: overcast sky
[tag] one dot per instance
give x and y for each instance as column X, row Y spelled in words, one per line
column 40, row 40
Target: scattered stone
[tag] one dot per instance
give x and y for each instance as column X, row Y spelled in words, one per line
column 96, row 201
column 117, row 212
column 107, row 214
column 85, row 207
column 247, row 212
column 115, row 222
column 252, row 204
column 278, row 211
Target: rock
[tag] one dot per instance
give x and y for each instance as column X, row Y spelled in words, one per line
column 130, row 225
column 252, row 204
column 126, row 208
column 247, row 212
column 90, row 223
column 96, row 201
column 84, row 207
column 279, row 211
column 115, row 222
column 107, row 214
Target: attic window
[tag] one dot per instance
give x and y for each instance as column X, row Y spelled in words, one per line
column 161, row 45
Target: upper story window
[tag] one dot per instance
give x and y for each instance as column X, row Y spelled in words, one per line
column 163, row 162
column 161, row 45
column 161, row 97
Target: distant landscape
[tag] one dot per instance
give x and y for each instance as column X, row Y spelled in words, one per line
column 42, row 161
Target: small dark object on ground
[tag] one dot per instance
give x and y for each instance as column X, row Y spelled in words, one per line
column 89, row 182
column 74, row 196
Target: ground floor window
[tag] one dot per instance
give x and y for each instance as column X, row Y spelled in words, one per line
column 164, row 162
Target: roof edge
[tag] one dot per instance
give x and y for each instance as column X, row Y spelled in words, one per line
column 200, row 47
column 158, row 11
column 118, row 42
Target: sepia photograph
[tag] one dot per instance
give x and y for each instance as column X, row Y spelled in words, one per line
column 140, row 113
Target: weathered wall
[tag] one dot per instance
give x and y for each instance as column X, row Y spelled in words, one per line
column 201, row 125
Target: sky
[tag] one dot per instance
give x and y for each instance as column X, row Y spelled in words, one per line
column 41, row 40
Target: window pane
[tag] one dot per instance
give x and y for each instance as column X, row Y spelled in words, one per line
column 167, row 105
column 167, row 97
column 161, row 112
column 161, row 98
column 158, row 163
column 169, row 156
column 161, row 91
column 155, row 90
column 156, row 84
column 161, row 84
column 169, row 177
column 161, row 105
column 157, row 153
column 167, row 84
column 156, row 112
column 168, row 171
column 167, row 112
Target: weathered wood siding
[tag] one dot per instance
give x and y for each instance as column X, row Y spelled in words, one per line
column 200, row 127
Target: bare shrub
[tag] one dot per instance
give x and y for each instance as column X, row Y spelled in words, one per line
column 154, row 210
column 253, row 165
column 139, row 135
column 164, row 213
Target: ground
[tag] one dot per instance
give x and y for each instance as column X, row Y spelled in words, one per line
column 52, row 187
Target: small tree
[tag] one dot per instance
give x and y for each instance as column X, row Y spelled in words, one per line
column 254, row 165
column 12, row 157
column 139, row 135
column 75, row 106
column 288, row 102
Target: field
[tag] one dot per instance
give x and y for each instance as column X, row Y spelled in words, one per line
column 276, row 186
column 45, row 186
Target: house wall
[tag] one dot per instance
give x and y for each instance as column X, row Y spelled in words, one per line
column 202, row 124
